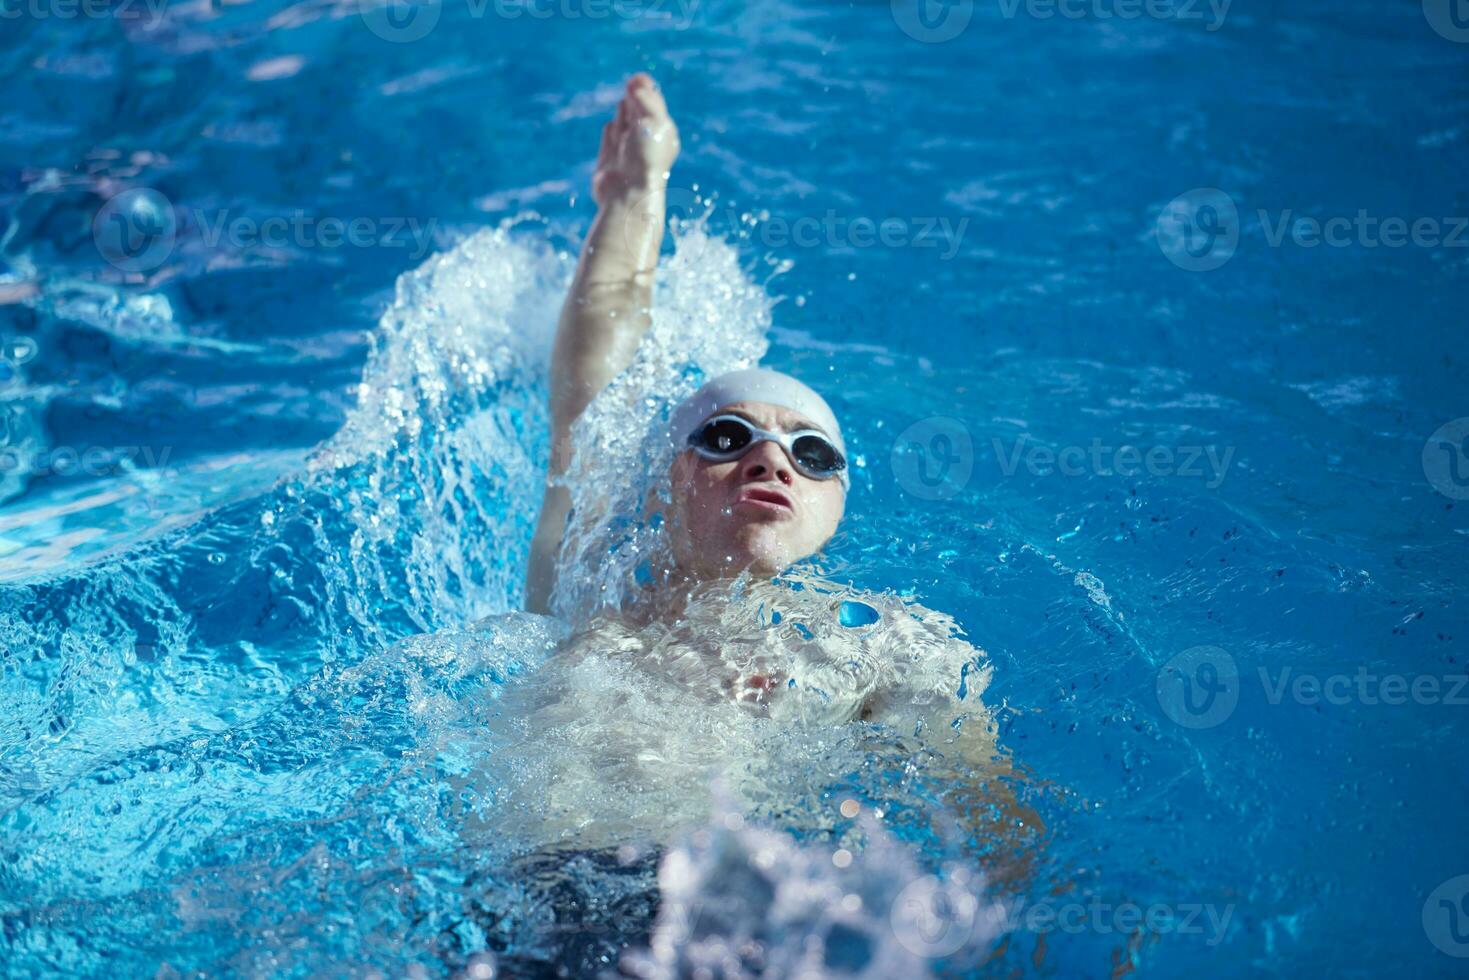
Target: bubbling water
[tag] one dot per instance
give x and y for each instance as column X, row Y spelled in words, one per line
column 281, row 698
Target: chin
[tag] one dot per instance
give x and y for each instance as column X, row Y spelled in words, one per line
column 762, row 552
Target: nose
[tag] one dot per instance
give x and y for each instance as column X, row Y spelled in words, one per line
column 766, row 460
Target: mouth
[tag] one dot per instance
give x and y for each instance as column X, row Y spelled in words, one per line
column 767, row 499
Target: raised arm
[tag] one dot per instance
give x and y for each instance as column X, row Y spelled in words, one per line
column 606, row 311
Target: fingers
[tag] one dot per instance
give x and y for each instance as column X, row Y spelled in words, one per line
column 642, row 100
column 605, row 150
column 650, row 100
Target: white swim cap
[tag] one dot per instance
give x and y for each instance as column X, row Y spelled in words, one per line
column 754, row 385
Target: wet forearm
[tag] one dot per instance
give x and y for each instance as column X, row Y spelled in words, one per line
column 606, row 312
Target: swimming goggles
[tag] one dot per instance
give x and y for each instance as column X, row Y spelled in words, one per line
column 727, row 437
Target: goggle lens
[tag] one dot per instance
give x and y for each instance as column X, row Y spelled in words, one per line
column 728, row 436
column 816, row 454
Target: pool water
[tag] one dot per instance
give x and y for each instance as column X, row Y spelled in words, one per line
column 277, row 290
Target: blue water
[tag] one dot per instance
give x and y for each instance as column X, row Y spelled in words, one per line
column 240, row 678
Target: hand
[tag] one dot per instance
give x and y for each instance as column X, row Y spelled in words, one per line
column 639, row 145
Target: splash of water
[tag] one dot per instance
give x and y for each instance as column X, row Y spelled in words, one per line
column 742, row 901
column 708, row 317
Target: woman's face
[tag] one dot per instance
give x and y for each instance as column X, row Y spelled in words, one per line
column 755, row 513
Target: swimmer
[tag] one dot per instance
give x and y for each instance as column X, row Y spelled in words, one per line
column 760, row 476
column 759, row 482
column 761, row 479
